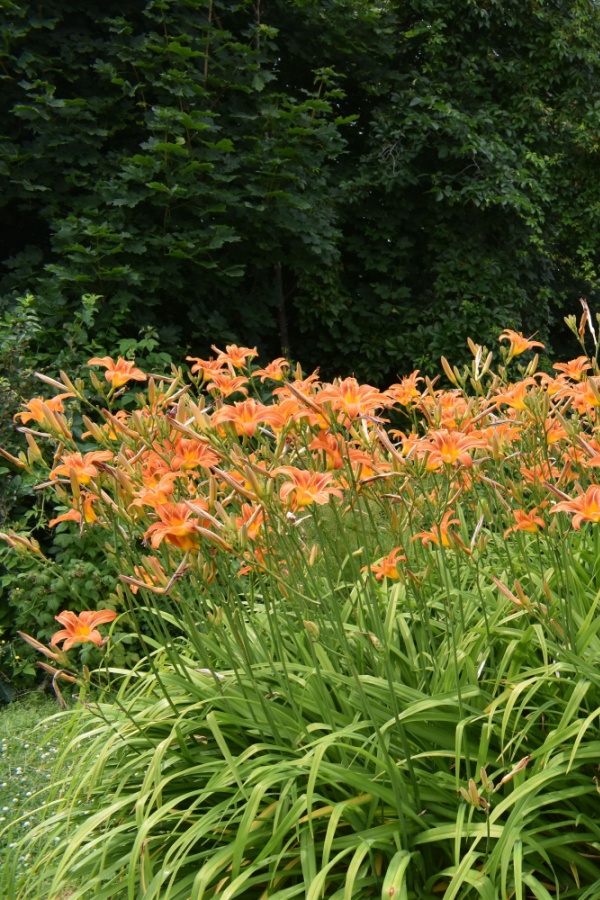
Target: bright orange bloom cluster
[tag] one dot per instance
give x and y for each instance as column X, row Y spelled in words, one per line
column 244, row 455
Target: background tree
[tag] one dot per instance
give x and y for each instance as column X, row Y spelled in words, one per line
column 362, row 184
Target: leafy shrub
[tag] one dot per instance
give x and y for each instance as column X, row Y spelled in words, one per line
column 70, row 571
column 370, row 653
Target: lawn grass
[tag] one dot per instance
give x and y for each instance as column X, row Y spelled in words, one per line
column 28, row 750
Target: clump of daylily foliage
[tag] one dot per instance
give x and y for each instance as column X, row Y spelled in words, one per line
column 368, row 621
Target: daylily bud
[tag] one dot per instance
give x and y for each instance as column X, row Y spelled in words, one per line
column 312, row 628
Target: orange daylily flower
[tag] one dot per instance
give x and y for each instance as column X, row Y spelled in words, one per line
column 586, row 507
column 154, row 466
column 554, row 387
column 227, row 384
column 588, row 454
column 515, row 395
column 351, row 398
column 331, row 446
column 256, row 560
column 158, row 493
column 275, row 370
column 81, row 628
column 191, row 454
column 306, row 386
column 247, row 416
column 37, row 408
column 85, row 467
column 305, row 487
column 518, row 343
column 364, row 464
column 120, row 372
column 207, row 367
column 554, row 431
column 120, row 417
column 387, row 567
column 440, row 534
column 235, row 355
column 575, row 368
column 74, row 515
column 450, row 410
column 449, row 448
column 252, row 518
column 543, row 471
column 526, row 522
column 586, row 395
column 408, row 442
column 501, row 436
column 176, row 527
column 406, row 391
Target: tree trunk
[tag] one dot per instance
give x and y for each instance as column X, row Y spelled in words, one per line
column 284, row 337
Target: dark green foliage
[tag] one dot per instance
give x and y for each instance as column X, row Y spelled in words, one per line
column 183, row 173
column 19, row 334
column 73, row 573
column 77, row 574
column 365, row 185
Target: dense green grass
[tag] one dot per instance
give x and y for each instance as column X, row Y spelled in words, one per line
column 28, row 751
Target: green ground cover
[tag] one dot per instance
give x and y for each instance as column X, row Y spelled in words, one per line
column 28, row 751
